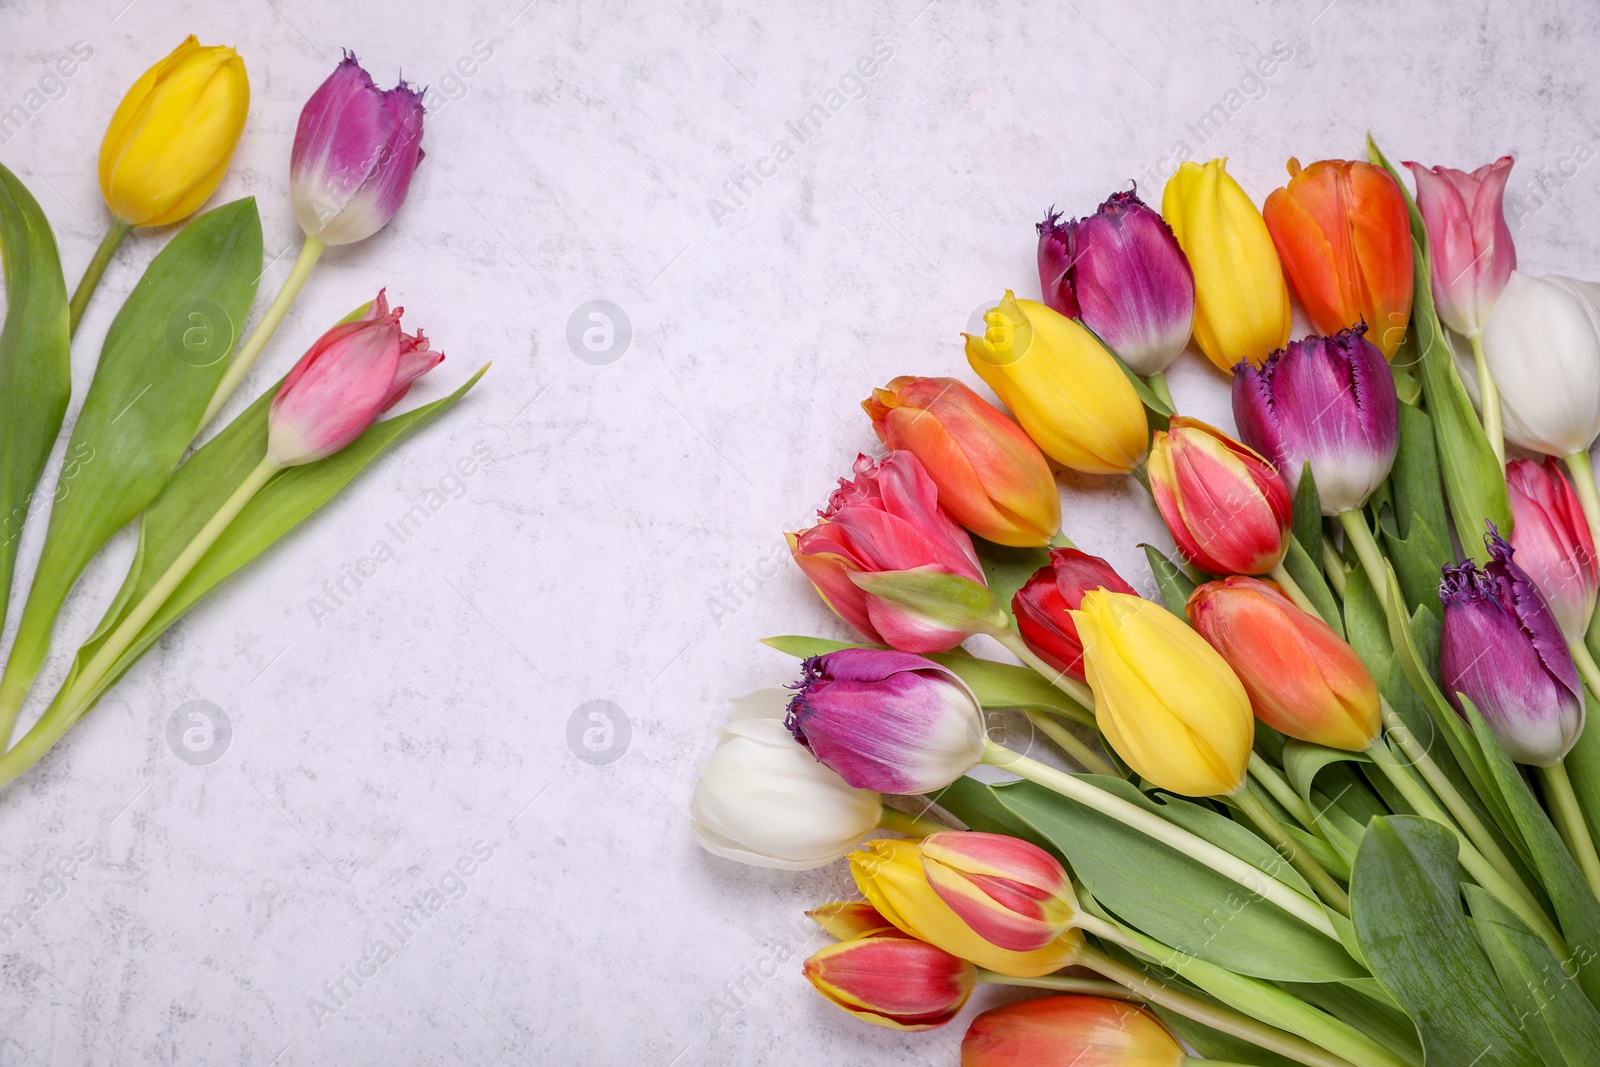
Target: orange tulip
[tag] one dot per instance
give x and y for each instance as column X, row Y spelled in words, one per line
column 1344, row 235
column 1073, row 1031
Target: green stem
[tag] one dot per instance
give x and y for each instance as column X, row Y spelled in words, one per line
column 902, row 822
column 1068, row 742
column 1488, row 400
column 91, row 274
column 1558, row 789
column 1333, row 567
column 1367, row 551
column 1062, row 983
column 1218, row 1018
column 1585, row 663
column 1154, row 826
column 1331, row 892
column 1158, row 386
column 1583, row 481
column 310, row 252
column 1080, row 693
column 1480, row 870
column 82, row 691
column 1292, row 590
column 1284, row 794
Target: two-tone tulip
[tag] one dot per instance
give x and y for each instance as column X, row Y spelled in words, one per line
column 355, row 149
column 991, row 477
column 1071, row 1031
column 894, row 878
column 1121, row 273
column 1501, row 647
column 887, row 721
column 896, row 982
column 1553, row 542
column 1062, row 386
column 1168, row 704
column 1241, row 312
column 351, row 375
column 762, row 799
column 1470, row 252
column 172, row 136
column 1228, row 510
column 1327, row 401
column 1303, row 679
column 1043, row 606
column 887, row 519
column 846, row 919
column 1343, row 233
column 1010, row 892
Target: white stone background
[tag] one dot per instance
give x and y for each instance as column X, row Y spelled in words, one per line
column 624, row 543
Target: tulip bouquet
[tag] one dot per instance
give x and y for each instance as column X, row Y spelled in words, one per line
column 170, row 362
column 1329, row 800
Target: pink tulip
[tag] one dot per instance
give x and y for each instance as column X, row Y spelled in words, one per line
column 1469, row 243
column 354, row 153
column 1553, row 543
column 354, row 373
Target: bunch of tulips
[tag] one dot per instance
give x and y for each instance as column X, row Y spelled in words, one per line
column 1330, row 799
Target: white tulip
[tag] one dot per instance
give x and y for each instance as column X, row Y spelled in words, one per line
column 763, row 799
column 1542, row 345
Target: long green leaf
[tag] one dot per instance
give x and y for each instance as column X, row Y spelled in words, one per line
column 1174, row 585
column 1562, row 1023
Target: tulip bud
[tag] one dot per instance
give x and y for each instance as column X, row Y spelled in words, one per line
column 1553, row 543
column 886, row 520
column 1012, row 893
column 1121, row 273
column 1542, row 347
column 1470, row 251
column 1043, row 606
column 1241, row 311
column 1168, row 704
column 355, row 149
column 171, row 138
column 991, row 477
column 1071, row 1031
column 766, row 801
column 1329, row 401
column 1501, row 647
column 1344, row 234
column 1226, row 507
column 897, row 982
column 354, row 373
column 887, row 721
column 1062, row 385
column 843, row 920
column 892, row 875
column 1302, row 678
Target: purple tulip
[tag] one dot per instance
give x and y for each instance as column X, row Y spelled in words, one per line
column 1121, row 272
column 1502, row 648
column 1326, row 400
column 354, row 152
column 887, row 721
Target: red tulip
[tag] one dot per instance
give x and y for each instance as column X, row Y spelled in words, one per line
column 1044, row 606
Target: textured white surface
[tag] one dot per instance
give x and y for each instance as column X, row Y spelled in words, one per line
column 623, row 542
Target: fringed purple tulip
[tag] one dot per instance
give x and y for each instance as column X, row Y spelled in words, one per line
column 1469, row 244
column 1121, row 273
column 1502, row 648
column 887, row 721
column 1329, row 401
column 354, row 153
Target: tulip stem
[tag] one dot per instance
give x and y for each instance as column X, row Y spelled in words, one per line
column 1558, row 790
column 1068, row 742
column 1063, row 983
column 1158, row 386
column 1488, row 400
column 1583, row 481
column 1359, row 534
column 1292, row 590
column 902, row 822
column 81, row 691
column 1075, row 689
column 1284, row 794
column 1333, row 567
column 1173, row 836
column 1471, row 859
column 310, row 252
column 1226, row 1020
column 1331, row 892
column 1061, row 540
column 91, row 274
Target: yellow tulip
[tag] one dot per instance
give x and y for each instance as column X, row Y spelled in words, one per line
column 1164, row 699
column 1241, row 301
column 1062, row 385
column 172, row 136
column 890, row 875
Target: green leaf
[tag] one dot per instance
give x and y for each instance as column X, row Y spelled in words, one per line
column 1177, row 899
column 1216, row 1045
column 160, row 364
column 1308, row 513
column 1407, row 912
column 1418, row 488
column 1366, row 1011
column 1562, row 1023
column 1474, row 484
column 947, row 600
column 976, row 805
column 1308, row 576
column 35, row 372
column 1583, row 763
column 1175, row 586
column 1007, row 569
